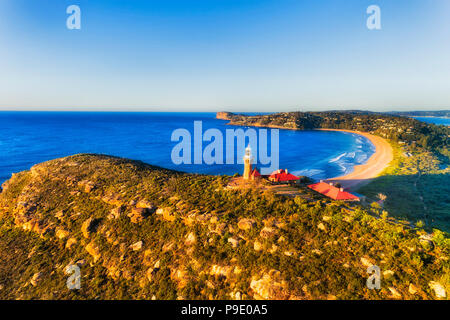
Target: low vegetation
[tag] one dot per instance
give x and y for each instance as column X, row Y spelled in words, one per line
column 142, row 232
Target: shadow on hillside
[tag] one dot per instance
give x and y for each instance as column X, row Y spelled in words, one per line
column 425, row 197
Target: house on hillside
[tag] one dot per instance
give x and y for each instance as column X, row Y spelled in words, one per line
column 283, row 176
column 333, row 192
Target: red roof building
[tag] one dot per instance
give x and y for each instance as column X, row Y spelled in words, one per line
column 282, row 176
column 255, row 174
column 333, row 192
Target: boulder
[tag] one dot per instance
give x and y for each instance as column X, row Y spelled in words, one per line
column 273, row 249
column 151, row 272
column 220, row 228
column 366, row 262
column 394, row 293
column 412, row 289
column 116, row 212
column 138, row 215
column 145, row 204
column 428, row 245
column 246, row 224
column 167, row 214
column 204, row 218
column 137, row 246
column 190, row 239
column 234, row 242
column 61, row 233
column 269, row 287
column 94, row 251
column 59, row 214
column 113, row 199
column 89, row 226
column 438, row 289
column 267, row 233
column 223, row 271
column 70, row 243
column 257, row 246
column 214, row 219
column 388, row 274
column 189, row 220
column 36, row 278
column 147, row 260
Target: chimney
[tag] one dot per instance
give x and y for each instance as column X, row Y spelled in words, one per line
column 321, row 181
column 286, row 170
column 342, row 189
column 331, row 183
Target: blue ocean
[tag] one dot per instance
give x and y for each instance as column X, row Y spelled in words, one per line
column 435, row 120
column 28, row 138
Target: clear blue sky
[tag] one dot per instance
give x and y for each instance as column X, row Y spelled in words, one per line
column 237, row 55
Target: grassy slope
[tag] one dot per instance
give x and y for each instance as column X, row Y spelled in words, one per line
column 416, row 189
column 299, row 260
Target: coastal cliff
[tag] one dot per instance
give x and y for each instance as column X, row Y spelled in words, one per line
column 224, row 115
column 142, row 232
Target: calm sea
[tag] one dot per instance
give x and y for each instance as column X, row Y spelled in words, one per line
column 434, row 120
column 28, row 138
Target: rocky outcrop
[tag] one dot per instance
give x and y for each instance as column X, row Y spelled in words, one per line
column 268, row 233
column 438, row 289
column 94, row 251
column 138, row 215
column 234, row 242
column 90, row 226
column 167, row 214
column 37, row 277
column 224, row 115
column 269, row 287
column 137, row 246
column 61, row 233
column 70, row 243
column 116, row 213
column 191, row 239
column 246, row 224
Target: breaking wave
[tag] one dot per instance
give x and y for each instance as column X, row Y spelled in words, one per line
column 311, row 173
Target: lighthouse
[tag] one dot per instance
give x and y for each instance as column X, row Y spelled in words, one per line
column 247, row 163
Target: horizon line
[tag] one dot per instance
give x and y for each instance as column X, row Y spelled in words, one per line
column 147, row 110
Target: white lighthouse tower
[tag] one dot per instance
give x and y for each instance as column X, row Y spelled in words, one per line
column 248, row 163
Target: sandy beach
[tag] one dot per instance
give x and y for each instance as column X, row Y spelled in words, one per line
column 362, row 174
column 373, row 167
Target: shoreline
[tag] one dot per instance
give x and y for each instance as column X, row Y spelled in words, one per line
column 363, row 173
